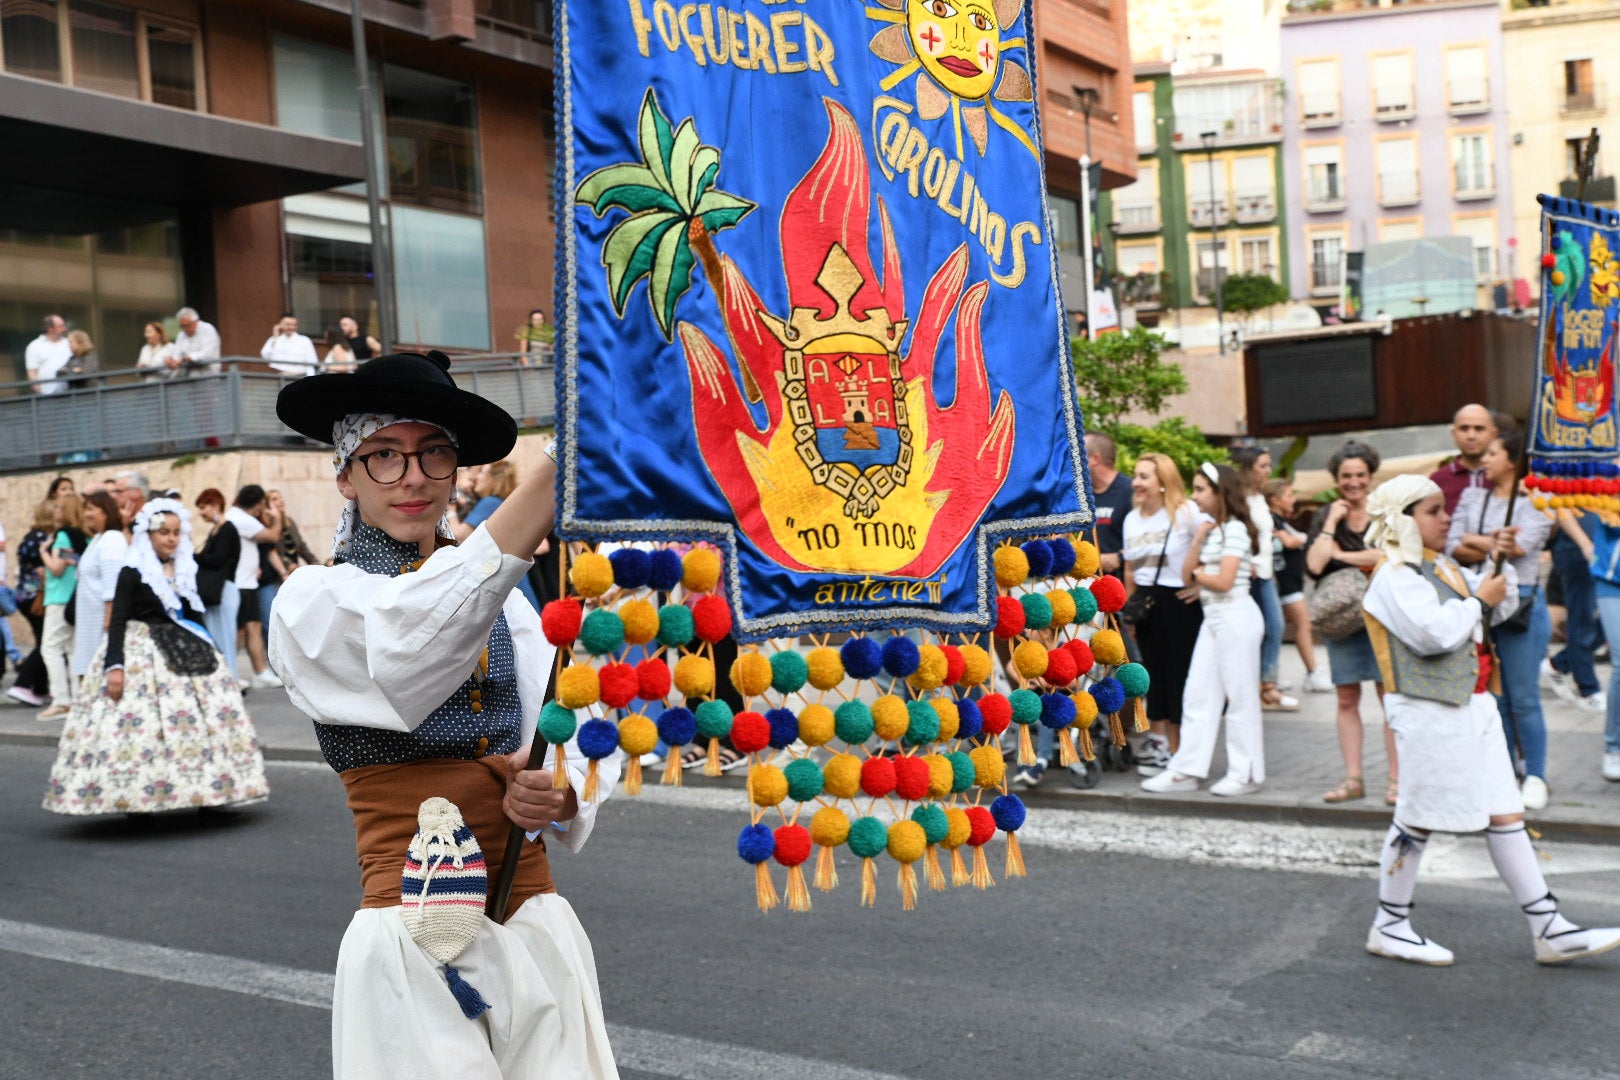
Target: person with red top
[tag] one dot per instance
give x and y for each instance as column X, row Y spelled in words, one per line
column 1472, row 429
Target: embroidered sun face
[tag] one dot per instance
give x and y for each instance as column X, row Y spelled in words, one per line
column 956, row 50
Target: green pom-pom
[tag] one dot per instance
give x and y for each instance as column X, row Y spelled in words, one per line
column 1085, row 604
column 853, row 723
column 868, row 837
column 1037, row 611
column 924, row 725
column 933, row 821
column 804, row 779
column 713, row 719
column 602, row 632
column 1026, row 706
column 556, row 724
column 789, row 672
column 675, row 625
column 1133, row 678
column 963, row 774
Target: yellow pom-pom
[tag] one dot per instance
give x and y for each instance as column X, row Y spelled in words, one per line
column 816, row 725
column 958, row 828
column 638, row 735
column 930, row 673
column 1108, row 647
column 640, row 621
column 1086, row 559
column 940, row 775
column 907, row 841
column 751, row 674
column 890, row 718
column 830, row 826
column 700, row 570
column 841, row 776
column 1063, row 611
column 592, row 574
column 1539, row 502
column 950, row 718
column 975, row 665
column 826, row 668
column 1030, row 659
column 988, row 767
column 1557, row 277
column 767, row 785
column 1012, row 566
column 694, row 676
column 1085, row 709
column 578, row 687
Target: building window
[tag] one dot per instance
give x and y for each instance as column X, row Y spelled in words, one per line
column 1319, row 93
column 104, row 52
column 1136, row 206
column 1240, row 111
column 1254, row 256
column 1142, row 116
column 1574, row 151
column 110, row 49
column 1467, row 87
column 1138, row 271
column 439, row 278
column 1207, row 201
column 1324, row 178
column 1580, row 92
column 1471, row 161
column 1392, row 86
column 432, row 127
column 1397, row 172
column 32, row 43
column 171, row 54
column 1327, row 263
column 1482, row 231
column 1254, row 195
column 1213, row 259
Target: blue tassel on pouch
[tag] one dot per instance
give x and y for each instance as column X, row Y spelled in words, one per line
column 467, row 996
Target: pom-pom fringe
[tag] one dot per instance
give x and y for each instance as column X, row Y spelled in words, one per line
column 1087, row 749
column 1139, row 715
column 798, row 894
column 1026, row 747
column 868, row 884
column 672, row 768
column 1116, row 729
column 592, row 782
column 981, row 869
column 908, row 887
column 467, row 996
column 764, row 888
column 711, row 764
column 959, row 870
column 632, row 775
column 1015, row 857
column 936, row 875
column 559, row 778
column 1066, row 754
column 826, row 871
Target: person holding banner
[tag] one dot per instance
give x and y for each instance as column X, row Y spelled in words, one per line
column 424, row 669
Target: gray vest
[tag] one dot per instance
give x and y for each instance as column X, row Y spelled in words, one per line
column 1449, row 677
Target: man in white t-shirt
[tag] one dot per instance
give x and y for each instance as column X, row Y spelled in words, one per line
column 251, row 528
column 288, row 350
column 196, row 349
column 47, row 354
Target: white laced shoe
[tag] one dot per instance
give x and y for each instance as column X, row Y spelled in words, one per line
column 1392, row 935
column 1558, row 940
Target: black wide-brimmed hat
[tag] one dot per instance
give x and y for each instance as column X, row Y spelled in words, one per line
column 405, row 384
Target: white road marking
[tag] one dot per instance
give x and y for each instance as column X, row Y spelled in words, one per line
column 656, row 1052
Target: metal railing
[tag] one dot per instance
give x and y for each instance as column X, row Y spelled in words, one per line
column 1324, row 194
column 119, row 416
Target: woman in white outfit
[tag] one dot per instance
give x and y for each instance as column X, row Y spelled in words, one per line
column 99, row 567
column 1227, row 656
column 1426, row 620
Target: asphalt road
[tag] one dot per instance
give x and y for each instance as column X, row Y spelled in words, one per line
column 1129, row 962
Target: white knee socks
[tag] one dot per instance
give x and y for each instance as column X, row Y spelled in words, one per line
column 1397, row 879
column 1515, row 860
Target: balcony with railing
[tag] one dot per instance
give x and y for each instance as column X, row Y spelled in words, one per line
column 1586, row 101
column 1395, row 102
column 1327, row 275
column 1399, row 187
column 1320, row 109
column 1325, row 195
column 1474, row 180
column 522, row 18
column 1237, row 112
column 1136, row 219
column 1142, row 289
column 1599, row 189
column 1254, row 207
column 1469, row 96
column 1207, row 213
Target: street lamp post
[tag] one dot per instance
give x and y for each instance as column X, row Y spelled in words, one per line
column 1208, row 139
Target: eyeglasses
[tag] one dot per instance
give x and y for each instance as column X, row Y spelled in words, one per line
column 388, row 466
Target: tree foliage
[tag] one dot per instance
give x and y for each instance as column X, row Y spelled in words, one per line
column 1121, row 375
column 1245, row 294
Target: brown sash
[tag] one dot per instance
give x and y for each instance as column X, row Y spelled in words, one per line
column 384, row 799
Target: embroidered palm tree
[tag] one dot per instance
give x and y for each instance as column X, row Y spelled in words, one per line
column 674, row 207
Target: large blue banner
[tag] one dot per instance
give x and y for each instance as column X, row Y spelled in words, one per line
column 808, row 301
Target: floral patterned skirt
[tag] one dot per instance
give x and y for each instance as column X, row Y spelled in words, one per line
column 172, row 742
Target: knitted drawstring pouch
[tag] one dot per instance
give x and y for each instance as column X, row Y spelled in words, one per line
column 443, row 891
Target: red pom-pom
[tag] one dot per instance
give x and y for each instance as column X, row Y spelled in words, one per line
column 1083, row 660
column 1061, row 668
column 652, row 680
column 750, row 732
column 981, row 826
column 877, row 776
column 1109, row 592
column 711, row 618
column 997, row 713
column 955, row 666
column 1009, row 617
column 793, row 844
column 911, row 778
column 560, row 620
column 1548, row 261
column 619, row 685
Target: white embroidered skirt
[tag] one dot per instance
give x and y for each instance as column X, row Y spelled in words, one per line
column 394, row 1016
column 171, row 742
column 1455, row 768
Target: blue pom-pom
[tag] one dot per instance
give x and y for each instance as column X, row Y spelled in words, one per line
column 784, row 727
column 677, row 726
column 1063, row 556
column 970, row 721
column 756, row 843
column 862, row 657
column 1110, row 696
column 631, row 567
column 1057, row 710
column 900, row 656
column 1008, row 810
column 467, row 996
column 597, row 739
column 1039, row 555
column 665, row 572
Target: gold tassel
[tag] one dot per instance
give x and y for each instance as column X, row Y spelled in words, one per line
column 1026, row 747
column 959, row 870
column 826, row 871
column 1015, row 857
column 798, row 894
column 764, row 887
column 981, row 869
column 711, row 765
column 632, row 775
column 559, row 775
column 672, row 768
column 1116, row 730
column 936, row 876
column 868, row 884
column 1087, row 750
column 591, row 782
column 1139, row 715
column 1066, row 754
column 908, row 887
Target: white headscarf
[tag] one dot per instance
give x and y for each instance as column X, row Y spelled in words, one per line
column 347, row 435
column 144, row 558
column 1393, row 531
